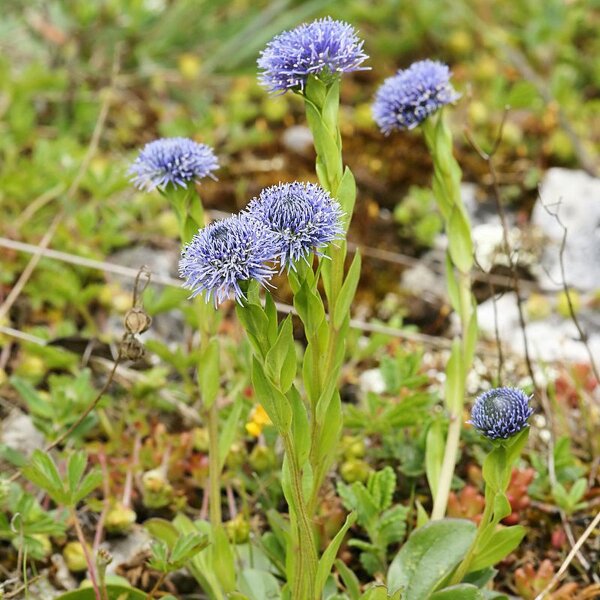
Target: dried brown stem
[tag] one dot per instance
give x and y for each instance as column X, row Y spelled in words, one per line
column 488, row 157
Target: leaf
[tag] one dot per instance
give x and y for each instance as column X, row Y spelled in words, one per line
column 162, row 530
column 344, row 301
column 499, row 546
column 350, row 580
column 75, row 469
column 274, row 402
column 42, row 471
column 429, row 556
column 381, row 486
column 460, row 244
column 452, row 285
column 115, row 592
column 228, row 431
column 279, row 367
column 256, row 323
column 326, row 561
column 36, row 404
column 258, row 585
column 463, row 591
column 346, row 195
column 90, row 482
column 208, row 373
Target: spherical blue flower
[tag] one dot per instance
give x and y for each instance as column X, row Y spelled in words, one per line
column 172, row 161
column 501, row 412
column 226, row 253
column 324, row 47
column 303, row 217
column 409, row 97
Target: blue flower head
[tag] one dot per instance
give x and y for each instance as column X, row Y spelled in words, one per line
column 226, row 253
column 324, row 48
column 501, row 412
column 172, row 161
column 409, row 97
column 302, row 216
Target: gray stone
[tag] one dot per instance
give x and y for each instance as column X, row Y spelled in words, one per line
column 551, row 339
column 18, row 432
column 126, row 548
column 298, row 139
column 575, row 197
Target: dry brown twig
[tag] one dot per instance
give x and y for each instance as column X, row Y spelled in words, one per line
column 488, row 157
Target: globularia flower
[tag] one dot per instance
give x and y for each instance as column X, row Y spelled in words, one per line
column 303, row 217
column 323, row 47
column 226, row 253
column 172, row 161
column 409, row 97
column 501, row 412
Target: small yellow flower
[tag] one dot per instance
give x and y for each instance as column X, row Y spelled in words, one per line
column 258, row 419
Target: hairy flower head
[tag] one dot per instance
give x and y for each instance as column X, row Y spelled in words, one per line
column 226, row 253
column 409, row 97
column 172, row 161
column 501, row 412
column 302, row 216
column 324, row 48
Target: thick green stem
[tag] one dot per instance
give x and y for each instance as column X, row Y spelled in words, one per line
column 304, row 576
column 486, row 518
column 448, row 196
column 322, row 112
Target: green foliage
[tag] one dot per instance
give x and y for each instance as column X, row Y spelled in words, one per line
column 27, row 525
column 429, row 556
column 69, row 489
column 417, row 216
column 171, row 557
column 570, row 501
column 62, row 406
column 385, row 524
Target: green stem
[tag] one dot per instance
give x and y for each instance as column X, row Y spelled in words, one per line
column 305, row 560
column 453, row 438
column 214, row 470
column 322, row 114
column 486, row 518
column 447, row 177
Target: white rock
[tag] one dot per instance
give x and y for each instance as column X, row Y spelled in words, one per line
column 126, row 548
column 298, row 139
column 551, row 339
column 575, row 195
column 18, row 432
column 372, row 381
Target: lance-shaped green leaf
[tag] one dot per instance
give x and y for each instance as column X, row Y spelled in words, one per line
column 346, row 196
column 460, row 244
column 500, row 544
column 229, row 430
column 256, row 323
column 326, row 561
column 273, row 400
column 344, row 301
column 280, row 362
